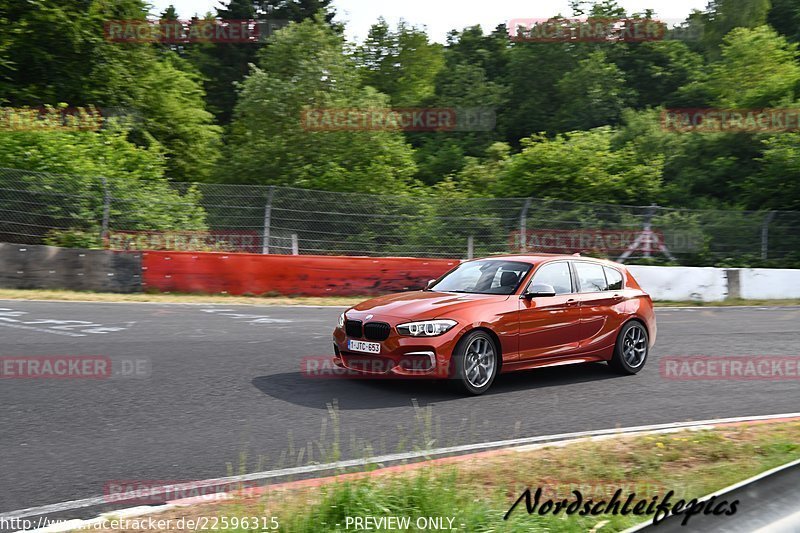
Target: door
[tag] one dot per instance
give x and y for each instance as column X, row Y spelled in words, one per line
column 600, row 293
column 550, row 326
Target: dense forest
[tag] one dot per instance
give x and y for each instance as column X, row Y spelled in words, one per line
column 574, row 120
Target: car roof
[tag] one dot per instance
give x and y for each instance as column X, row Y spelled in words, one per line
column 539, row 258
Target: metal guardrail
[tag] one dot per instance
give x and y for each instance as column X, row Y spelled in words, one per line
column 768, row 503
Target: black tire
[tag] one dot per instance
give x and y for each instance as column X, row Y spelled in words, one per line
column 478, row 354
column 631, row 350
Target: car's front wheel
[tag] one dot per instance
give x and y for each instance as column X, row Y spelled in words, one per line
column 631, row 350
column 475, row 362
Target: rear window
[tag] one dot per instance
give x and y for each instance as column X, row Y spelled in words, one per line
column 614, row 278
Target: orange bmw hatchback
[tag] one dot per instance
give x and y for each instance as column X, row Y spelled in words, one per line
column 502, row 314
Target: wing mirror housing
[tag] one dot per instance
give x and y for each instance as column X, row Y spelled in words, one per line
column 430, row 284
column 539, row 290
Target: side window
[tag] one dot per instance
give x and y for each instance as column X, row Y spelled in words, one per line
column 555, row 274
column 590, row 277
column 614, row 279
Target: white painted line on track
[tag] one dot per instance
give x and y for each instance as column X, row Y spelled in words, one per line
column 254, row 304
column 451, row 450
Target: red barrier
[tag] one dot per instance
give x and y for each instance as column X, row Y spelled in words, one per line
column 308, row 275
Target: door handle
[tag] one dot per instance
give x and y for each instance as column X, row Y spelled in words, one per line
column 572, row 302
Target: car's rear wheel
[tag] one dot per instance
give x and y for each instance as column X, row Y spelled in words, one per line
column 475, row 363
column 631, row 350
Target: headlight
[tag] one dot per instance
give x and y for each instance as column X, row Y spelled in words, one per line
column 427, row 328
column 341, row 320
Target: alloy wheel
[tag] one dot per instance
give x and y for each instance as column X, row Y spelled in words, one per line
column 480, row 362
column 634, row 346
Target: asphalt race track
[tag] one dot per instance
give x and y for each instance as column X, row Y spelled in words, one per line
column 221, row 385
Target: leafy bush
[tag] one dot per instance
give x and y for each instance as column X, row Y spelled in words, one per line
column 74, row 238
column 82, row 169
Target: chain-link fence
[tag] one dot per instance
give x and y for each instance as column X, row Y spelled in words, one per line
column 125, row 214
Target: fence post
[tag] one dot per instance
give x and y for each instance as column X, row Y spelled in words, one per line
column 470, row 247
column 765, row 234
column 106, row 211
column 267, row 221
column 295, row 245
column 647, row 240
column 648, row 231
column 523, row 226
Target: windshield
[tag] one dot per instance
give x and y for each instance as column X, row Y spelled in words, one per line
column 484, row 277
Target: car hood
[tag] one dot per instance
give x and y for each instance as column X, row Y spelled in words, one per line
column 424, row 305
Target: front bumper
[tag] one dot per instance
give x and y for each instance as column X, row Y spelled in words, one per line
column 427, row 357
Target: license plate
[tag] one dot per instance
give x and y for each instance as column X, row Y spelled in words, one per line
column 364, row 347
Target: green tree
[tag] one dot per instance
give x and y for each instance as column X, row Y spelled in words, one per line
column 463, row 83
column 305, row 68
column 777, row 185
column 465, row 88
column 51, row 45
column 479, row 176
column 592, row 94
column 754, row 68
column 785, row 18
column 67, row 193
column 722, row 16
column 534, row 71
column 401, row 63
column 172, row 108
column 656, row 70
column 700, row 170
column 107, row 152
column 298, row 10
column 223, row 65
column 581, row 166
column 170, row 13
column 60, row 55
column 489, row 51
column 758, row 68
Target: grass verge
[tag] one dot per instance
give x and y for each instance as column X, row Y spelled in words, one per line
column 346, row 301
column 476, row 492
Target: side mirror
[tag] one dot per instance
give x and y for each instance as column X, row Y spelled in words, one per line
column 431, row 283
column 539, row 290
